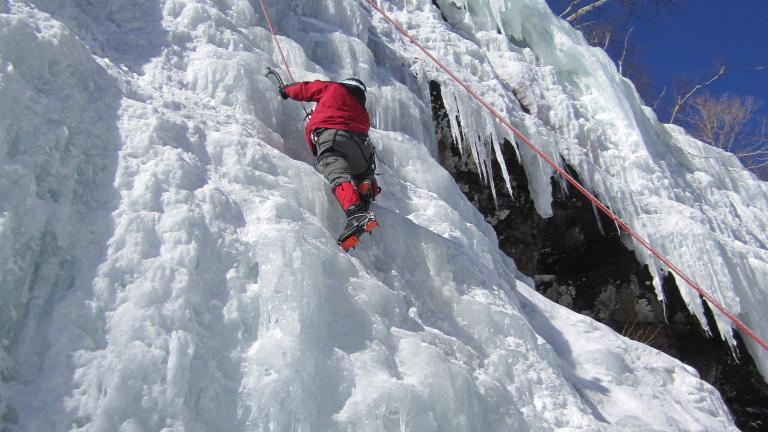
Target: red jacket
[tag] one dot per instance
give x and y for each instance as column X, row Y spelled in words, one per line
column 337, row 108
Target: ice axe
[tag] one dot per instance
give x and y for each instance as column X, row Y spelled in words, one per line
column 281, row 84
column 278, row 78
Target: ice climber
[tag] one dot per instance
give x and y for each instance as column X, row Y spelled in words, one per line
column 337, row 134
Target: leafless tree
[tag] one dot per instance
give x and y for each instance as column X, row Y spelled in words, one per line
column 608, row 23
column 684, row 92
column 597, row 34
column 577, row 9
column 636, row 71
column 659, row 98
column 630, row 65
column 624, row 50
column 731, row 123
column 728, row 122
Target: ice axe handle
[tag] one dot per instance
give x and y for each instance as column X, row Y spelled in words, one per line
column 274, row 73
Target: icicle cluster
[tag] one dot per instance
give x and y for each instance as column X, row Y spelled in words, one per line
column 167, row 248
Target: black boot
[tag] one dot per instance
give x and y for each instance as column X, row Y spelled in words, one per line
column 359, row 221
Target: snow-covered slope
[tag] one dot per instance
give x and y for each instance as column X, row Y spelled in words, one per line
column 167, row 249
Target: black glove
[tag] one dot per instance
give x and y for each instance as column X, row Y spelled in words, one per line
column 281, row 90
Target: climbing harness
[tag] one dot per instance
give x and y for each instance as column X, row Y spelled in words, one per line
column 362, row 146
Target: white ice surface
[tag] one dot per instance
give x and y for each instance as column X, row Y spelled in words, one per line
column 707, row 215
column 167, row 248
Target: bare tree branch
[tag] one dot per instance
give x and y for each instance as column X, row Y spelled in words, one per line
column 570, row 7
column 756, row 153
column 642, row 10
column 607, row 40
column 658, row 99
column 581, row 26
column 729, row 123
column 680, row 101
column 585, row 10
column 754, row 167
column 624, row 51
column 596, row 34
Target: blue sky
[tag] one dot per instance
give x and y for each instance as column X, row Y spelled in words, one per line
column 690, row 41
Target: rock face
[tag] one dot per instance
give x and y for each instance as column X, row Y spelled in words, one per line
column 577, row 258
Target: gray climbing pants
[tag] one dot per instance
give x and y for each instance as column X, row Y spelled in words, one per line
column 344, row 156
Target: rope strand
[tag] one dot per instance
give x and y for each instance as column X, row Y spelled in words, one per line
column 737, row 323
column 280, row 49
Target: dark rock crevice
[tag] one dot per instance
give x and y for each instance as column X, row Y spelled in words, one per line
column 577, row 258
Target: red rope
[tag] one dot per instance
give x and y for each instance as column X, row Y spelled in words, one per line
column 277, row 42
column 741, row 326
column 279, row 47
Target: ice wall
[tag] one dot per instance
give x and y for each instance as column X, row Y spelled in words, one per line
column 706, row 214
column 58, row 156
column 168, row 250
